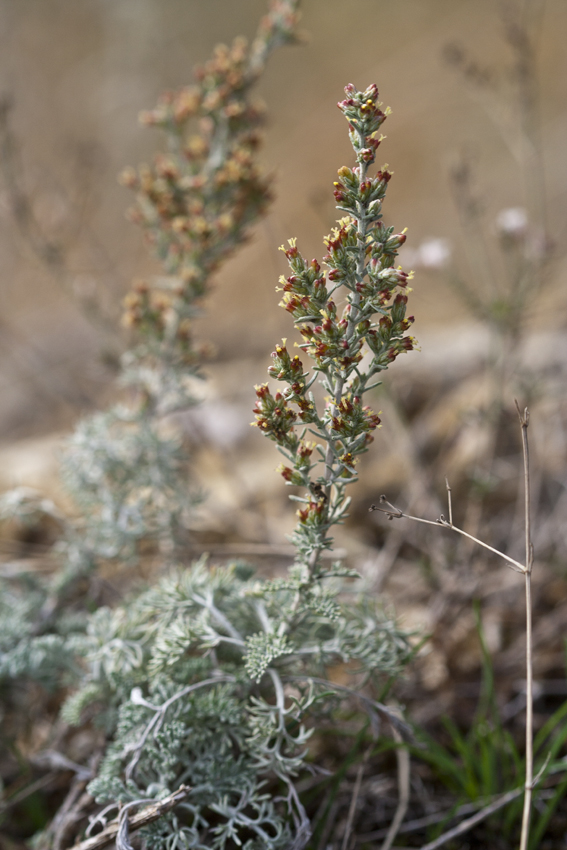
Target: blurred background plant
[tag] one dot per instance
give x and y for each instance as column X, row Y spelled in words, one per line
column 126, row 469
column 490, row 74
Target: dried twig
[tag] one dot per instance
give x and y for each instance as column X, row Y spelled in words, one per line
column 465, row 825
column 466, row 809
column 395, row 513
column 70, row 813
column 30, row 789
column 146, row 816
column 419, row 823
column 449, row 501
column 77, row 801
column 526, row 569
column 353, row 801
column 403, row 757
column 524, row 418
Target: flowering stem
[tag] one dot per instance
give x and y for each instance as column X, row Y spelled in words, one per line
column 360, row 258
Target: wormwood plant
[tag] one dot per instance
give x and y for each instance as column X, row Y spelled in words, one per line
column 353, row 323
column 127, row 468
column 215, row 680
column 196, row 205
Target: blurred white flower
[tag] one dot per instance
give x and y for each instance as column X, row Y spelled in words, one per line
column 512, row 221
column 434, row 253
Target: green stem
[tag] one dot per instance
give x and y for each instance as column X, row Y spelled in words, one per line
column 352, row 321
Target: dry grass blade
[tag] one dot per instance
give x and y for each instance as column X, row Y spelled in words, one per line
column 403, row 758
column 465, row 825
column 40, row 783
column 353, row 802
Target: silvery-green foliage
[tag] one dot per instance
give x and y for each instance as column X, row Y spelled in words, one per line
column 76, row 704
column 22, row 651
column 40, row 658
column 209, row 678
column 18, row 611
column 28, row 506
column 128, row 474
column 262, row 649
column 353, row 323
column 216, row 680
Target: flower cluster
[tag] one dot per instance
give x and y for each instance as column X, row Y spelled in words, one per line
column 352, row 320
column 275, row 418
column 198, row 201
column 211, row 678
column 126, row 470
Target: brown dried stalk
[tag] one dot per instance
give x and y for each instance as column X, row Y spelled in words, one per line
column 465, row 825
column 144, row 817
column 524, row 418
column 403, row 759
column 392, row 512
column 526, row 569
column 353, row 802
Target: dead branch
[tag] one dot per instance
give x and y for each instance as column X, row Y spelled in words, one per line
column 144, row 817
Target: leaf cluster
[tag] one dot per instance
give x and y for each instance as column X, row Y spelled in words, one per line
column 202, row 680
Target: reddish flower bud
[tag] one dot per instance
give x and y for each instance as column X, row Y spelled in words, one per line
column 372, row 92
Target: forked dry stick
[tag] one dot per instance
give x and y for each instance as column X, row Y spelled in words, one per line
column 392, row 512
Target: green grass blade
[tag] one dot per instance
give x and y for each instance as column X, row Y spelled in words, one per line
column 541, row 822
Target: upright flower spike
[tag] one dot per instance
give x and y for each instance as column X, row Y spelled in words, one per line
column 198, row 201
column 348, row 344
